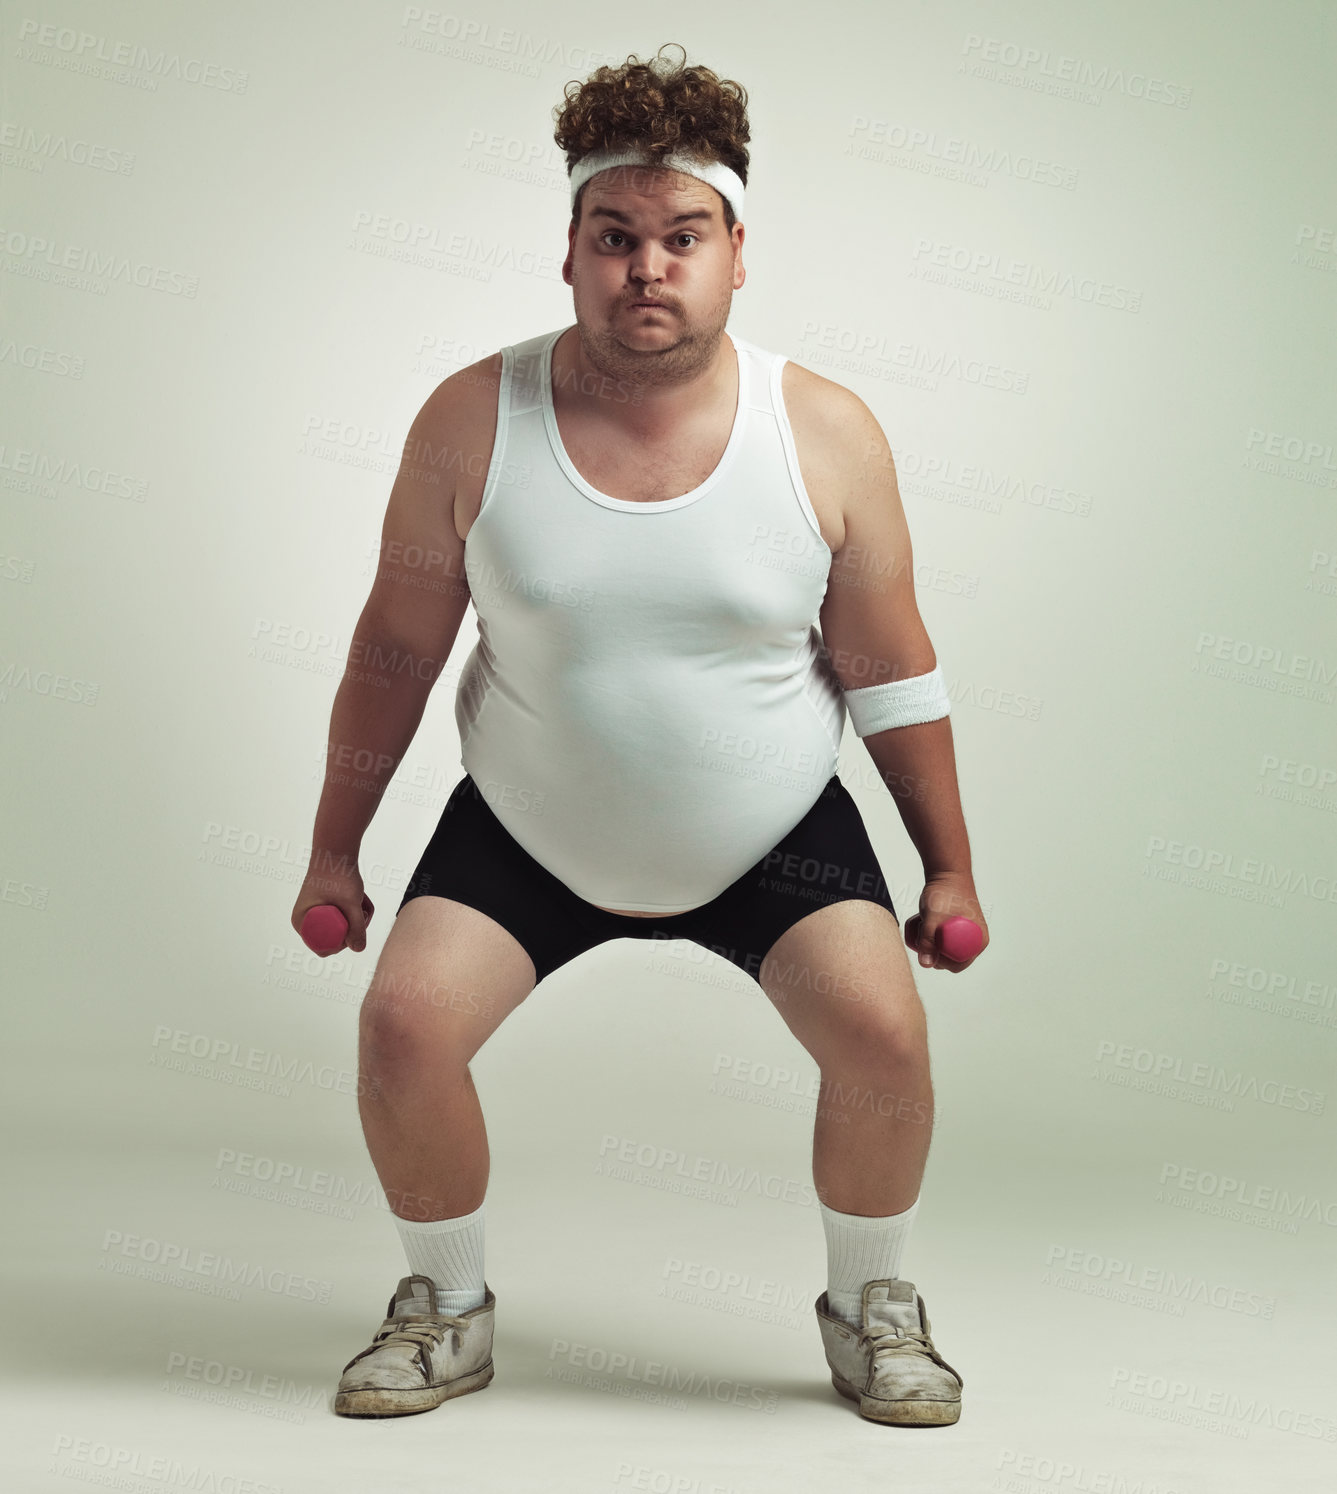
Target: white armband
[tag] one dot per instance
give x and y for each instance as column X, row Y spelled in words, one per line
column 874, row 708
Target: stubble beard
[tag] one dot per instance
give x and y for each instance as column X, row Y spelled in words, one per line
column 681, row 361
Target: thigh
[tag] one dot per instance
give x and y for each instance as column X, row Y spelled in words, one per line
column 447, row 977
column 473, row 860
column 826, row 860
column 841, row 979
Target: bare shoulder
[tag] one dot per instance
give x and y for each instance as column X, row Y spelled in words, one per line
column 461, row 399
column 478, row 381
column 458, row 422
column 832, row 422
column 826, row 410
column 842, row 452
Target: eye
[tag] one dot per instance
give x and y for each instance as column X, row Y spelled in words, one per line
column 616, row 233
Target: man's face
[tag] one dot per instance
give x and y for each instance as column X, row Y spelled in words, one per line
column 651, row 235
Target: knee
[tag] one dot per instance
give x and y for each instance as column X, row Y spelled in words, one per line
column 388, row 1035
column 399, row 1027
column 896, row 1042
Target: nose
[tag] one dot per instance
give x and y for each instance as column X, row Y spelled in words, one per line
column 646, row 264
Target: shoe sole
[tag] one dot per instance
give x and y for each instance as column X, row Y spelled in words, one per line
column 899, row 1413
column 408, row 1402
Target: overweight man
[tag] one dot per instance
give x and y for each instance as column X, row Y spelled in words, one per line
column 689, row 565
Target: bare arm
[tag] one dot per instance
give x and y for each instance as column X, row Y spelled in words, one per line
column 873, row 631
column 402, row 639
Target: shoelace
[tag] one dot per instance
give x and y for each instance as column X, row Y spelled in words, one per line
column 421, row 1330
column 890, row 1338
column 908, row 1339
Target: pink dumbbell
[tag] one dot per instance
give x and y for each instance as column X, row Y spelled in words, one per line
column 960, row 938
column 324, row 927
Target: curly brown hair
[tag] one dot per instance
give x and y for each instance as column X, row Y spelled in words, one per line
column 658, row 107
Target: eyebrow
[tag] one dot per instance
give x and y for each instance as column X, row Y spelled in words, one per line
column 607, row 212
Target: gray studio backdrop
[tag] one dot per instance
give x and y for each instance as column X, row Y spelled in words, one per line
column 1079, row 261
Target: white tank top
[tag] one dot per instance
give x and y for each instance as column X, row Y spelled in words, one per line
column 649, row 707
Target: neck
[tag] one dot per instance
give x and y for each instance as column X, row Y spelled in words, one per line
column 648, row 392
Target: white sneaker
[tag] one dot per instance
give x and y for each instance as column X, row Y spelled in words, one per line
column 890, row 1365
column 419, row 1357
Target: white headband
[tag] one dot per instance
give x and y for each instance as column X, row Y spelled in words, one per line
column 724, row 179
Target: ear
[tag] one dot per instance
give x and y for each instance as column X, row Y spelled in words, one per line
column 739, row 273
column 570, row 251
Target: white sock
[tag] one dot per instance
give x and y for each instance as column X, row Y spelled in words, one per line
column 450, row 1251
column 861, row 1248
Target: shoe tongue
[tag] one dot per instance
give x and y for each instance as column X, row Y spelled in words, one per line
column 413, row 1295
column 893, row 1304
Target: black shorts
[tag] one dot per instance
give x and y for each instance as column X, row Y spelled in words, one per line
column 472, row 858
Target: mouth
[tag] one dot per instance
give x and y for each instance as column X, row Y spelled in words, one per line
column 639, row 305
